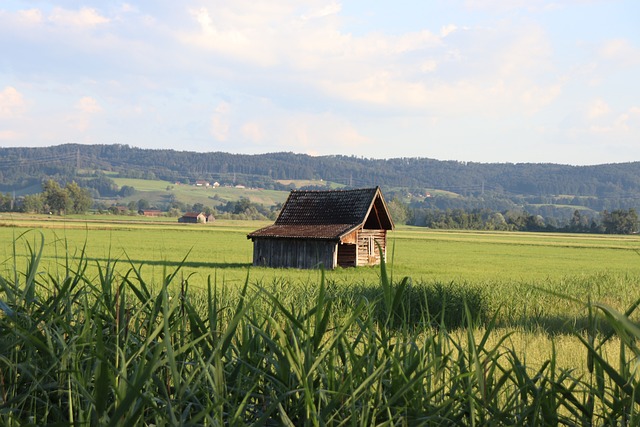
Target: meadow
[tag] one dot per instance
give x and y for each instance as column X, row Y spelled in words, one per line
column 159, row 192
column 511, row 270
column 113, row 322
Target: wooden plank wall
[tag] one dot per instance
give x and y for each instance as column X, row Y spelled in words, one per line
column 294, row 253
column 368, row 253
column 347, row 255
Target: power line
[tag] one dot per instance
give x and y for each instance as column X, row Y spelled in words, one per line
column 37, row 161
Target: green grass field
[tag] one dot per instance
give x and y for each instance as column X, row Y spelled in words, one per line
column 511, row 270
column 85, row 341
column 159, row 192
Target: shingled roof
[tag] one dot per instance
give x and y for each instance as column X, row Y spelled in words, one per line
column 326, row 215
column 192, row 214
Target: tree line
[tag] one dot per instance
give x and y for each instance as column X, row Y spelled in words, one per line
column 619, row 221
column 54, row 199
column 608, row 186
column 73, row 199
column 550, row 191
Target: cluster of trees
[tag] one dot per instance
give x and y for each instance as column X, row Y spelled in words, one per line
column 555, row 209
column 476, row 219
column 620, row 221
column 246, row 209
column 100, row 185
column 240, row 209
column 70, row 199
column 7, row 203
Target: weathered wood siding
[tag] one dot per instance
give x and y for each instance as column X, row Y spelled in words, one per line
column 368, row 253
column 294, row 253
column 347, row 255
column 193, row 219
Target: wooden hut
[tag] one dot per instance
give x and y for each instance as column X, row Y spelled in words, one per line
column 196, row 218
column 325, row 228
column 193, row 218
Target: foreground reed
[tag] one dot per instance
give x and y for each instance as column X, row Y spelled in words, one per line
column 116, row 350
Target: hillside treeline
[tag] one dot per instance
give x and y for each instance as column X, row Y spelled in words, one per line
column 18, row 165
column 549, row 190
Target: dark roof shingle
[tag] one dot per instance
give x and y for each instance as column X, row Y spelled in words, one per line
column 320, row 214
column 322, row 232
column 326, row 207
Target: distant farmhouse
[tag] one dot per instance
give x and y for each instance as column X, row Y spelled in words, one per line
column 326, row 229
column 196, row 218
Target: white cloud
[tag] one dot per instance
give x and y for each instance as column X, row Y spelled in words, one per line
column 30, row 16
column 508, row 5
column 429, row 66
column 398, row 71
column 227, row 36
column 318, row 134
column 537, row 97
column 447, row 29
column 220, row 125
column 9, row 135
column 282, row 37
column 88, row 104
column 620, row 49
column 598, row 108
column 12, row 103
column 85, row 17
column 327, row 10
column 382, row 89
column 508, row 85
column 81, row 118
column 204, row 19
column 528, row 52
column 628, row 121
column 126, row 7
column 265, row 124
column 604, row 125
column 253, row 132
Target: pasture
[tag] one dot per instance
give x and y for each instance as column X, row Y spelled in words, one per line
column 159, row 192
column 517, row 274
column 342, row 345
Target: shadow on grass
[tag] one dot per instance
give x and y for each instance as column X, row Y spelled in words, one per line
column 175, row 264
column 446, row 304
column 421, row 305
column 557, row 325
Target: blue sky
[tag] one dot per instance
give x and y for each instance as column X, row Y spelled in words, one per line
column 470, row 80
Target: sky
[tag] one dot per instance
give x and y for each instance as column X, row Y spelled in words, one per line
column 554, row 81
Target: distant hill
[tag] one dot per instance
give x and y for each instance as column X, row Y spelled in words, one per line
column 421, row 181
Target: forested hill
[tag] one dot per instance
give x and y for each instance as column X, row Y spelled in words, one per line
column 22, row 167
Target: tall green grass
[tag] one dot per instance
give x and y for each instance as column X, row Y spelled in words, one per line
column 113, row 349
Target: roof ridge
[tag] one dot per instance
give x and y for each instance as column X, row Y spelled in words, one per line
column 336, row 190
